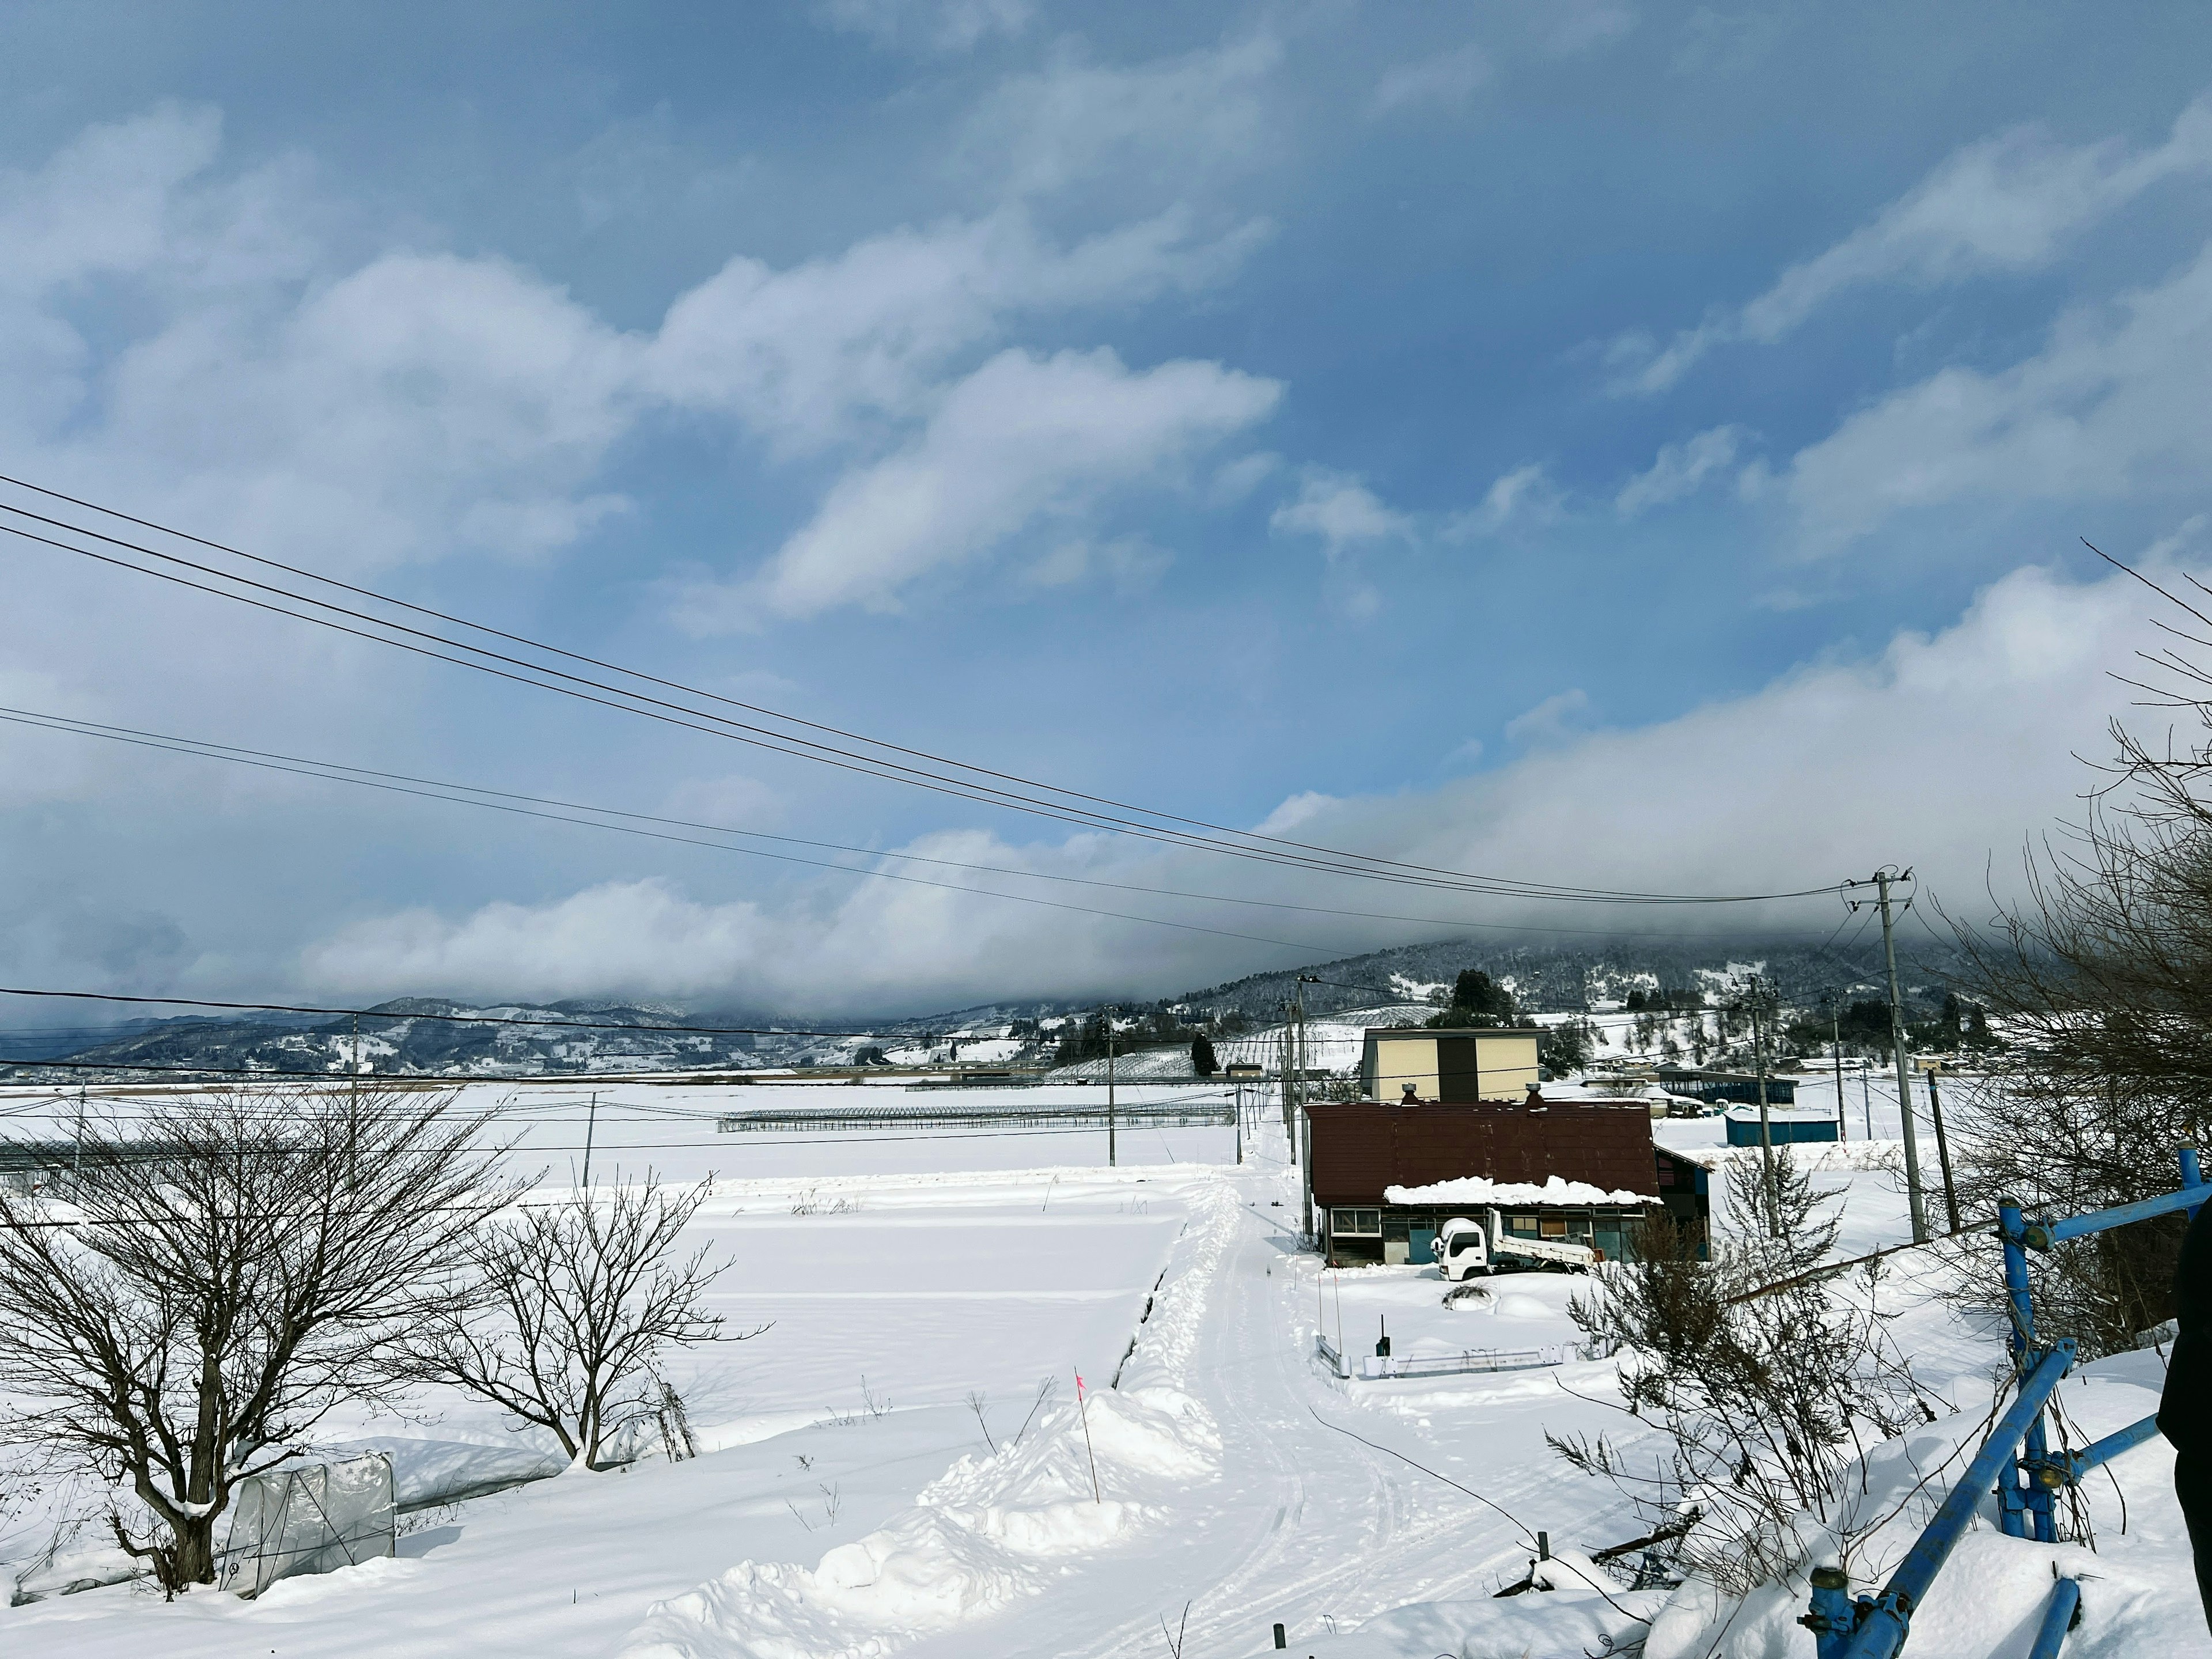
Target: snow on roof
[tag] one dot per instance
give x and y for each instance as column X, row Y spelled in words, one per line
column 1478, row 1189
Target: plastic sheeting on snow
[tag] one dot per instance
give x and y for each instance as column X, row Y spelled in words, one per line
column 313, row 1518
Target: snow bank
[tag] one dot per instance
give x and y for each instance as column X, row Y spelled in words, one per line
column 992, row 1529
column 2136, row 1586
column 1564, row 1624
column 1476, row 1190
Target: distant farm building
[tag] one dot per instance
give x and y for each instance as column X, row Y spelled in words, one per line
column 1456, row 1067
column 1734, row 1088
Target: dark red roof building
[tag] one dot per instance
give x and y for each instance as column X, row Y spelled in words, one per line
column 1361, row 1150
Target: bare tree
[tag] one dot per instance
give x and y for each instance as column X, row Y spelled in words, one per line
column 1765, row 1397
column 204, row 1277
column 572, row 1304
column 2099, row 979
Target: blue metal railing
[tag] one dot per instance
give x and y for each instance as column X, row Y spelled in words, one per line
column 2015, row 1456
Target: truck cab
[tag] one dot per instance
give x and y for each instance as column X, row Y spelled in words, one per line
column 1462, row 1249
column 1465, row 1247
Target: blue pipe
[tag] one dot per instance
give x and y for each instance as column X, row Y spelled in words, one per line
column 2013, row 1490
column 2061, row 1616
column 1830, row 1620
column 2042, row 1235
column 1889, row 1616
column 2192, row 1174
column 2071, row 1468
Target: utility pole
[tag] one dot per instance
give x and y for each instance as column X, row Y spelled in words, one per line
column 76, row 1163
column 1882, row 879
column 591, row 1128
column 1305, row 1118
column 1110, row 1151
column 352, row 1109
column 1866, row 1098
column 1943, row 1148
column 1765, row 1123
column 1836, row 1025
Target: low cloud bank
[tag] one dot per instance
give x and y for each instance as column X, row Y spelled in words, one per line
column 1942, row 751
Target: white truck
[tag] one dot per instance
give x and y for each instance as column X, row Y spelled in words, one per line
column 1465, row 1247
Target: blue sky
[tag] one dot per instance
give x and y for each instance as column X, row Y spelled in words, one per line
column 1627, row 445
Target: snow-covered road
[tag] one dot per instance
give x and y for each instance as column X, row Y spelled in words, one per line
column 815, row 1530
column 1302, row 1525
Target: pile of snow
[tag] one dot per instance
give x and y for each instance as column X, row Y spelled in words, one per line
column 1479, row 1190
column 990, row 1530
column 1564, row 1624
column 993, row 1529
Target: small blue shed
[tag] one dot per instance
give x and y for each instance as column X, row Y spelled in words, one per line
column 1786, row 1127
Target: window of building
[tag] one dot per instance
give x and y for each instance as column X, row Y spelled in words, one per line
column 1555, row 1226
column 1578, row 1226
column 1357, row 1223
column 1524, row 1225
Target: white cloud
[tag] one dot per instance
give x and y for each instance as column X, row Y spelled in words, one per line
column 944, row 26
column 1522, row 498
column 807, row 356
column 2112, row 405
column 1174, row 121
column 1130, row 562
column 1341, row 511
column 1023, row 437
column 1551, row 720
column 1447, row 79
column 1238, row 478
column 1985, row 715
column 1679, row 469
column 633, row 936
column 257, row 389
column 2010, row 202
column 1571, row 27
column 423, row 405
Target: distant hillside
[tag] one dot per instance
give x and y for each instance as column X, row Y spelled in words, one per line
column 396, row 1037
column 1558, row 978
column 559, row 1039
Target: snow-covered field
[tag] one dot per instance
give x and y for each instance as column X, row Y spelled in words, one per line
column 1228, row 1476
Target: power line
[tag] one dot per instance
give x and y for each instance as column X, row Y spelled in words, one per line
column 1068, row 806
column 466, row 794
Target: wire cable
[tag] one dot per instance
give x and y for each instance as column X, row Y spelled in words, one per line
column 1070, row 806
column 466, row 794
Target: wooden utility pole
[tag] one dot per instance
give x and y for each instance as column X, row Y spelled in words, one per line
column 1304, row 1118
column 1110, row 1153
column 1914, row 1196
column 1943, row 1148
column 1765, row 1121
column 353, row 1108
column 591, row 1129
column 1836, row 1025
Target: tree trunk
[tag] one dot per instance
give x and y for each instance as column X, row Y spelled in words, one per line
column 192, row 1554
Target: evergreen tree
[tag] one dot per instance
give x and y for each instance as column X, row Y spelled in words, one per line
column 1201, row 1057
column 1478, row 999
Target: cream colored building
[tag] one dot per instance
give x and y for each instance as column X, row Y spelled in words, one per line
column 1456, row 1065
